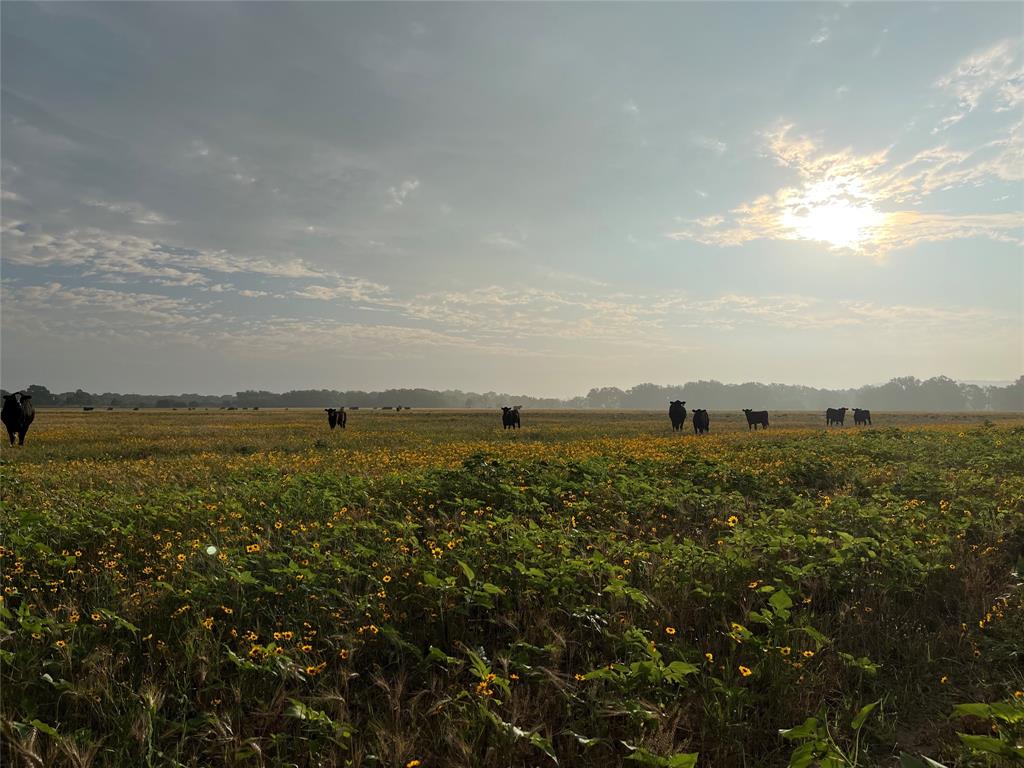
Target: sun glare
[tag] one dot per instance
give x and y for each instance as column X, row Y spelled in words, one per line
column 826, row 213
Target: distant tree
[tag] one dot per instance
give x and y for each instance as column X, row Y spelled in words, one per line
column 41, row 395
column 975, row 397
column 605, row 397
column 1009, row 398
column 78, row 397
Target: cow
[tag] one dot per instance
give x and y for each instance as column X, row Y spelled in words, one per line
column 756, row 417
column 332, row 417
column 510, row 417
column 835, row 416
column 17, row 415
column 701, row 421
column 342, row 418
column 861, row 416
column 677, row 414
column 11, row 415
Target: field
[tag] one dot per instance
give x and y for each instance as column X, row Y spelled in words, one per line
column 213, row 588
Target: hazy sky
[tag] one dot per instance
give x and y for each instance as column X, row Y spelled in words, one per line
column 537, row 198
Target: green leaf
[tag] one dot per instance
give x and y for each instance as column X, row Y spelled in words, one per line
column 984, row 711
column 677, row 671
column 990, row 745
column 682, row 760
column 781, row 602
column 584, row 740
column 907, row 761
column 436, row 654
column 49, row 730
column 470, row 575
column 807, row 729
column 861, row 716
column 301, row 711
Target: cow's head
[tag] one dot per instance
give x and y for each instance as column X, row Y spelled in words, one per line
column 505, row 409
column 677, row 402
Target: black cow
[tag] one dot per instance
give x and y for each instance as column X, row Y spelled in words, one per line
column 677, row 414
column 756, row 417
column 701, row 421
column 332, row 417
column 861, row 416
column 835, row 416
column 17, row 415
column 510, row 417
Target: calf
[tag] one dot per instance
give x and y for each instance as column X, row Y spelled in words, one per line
column 756, row 417
column 701, row 421
column 332, row 417
column 861, row 416
column 342, row 418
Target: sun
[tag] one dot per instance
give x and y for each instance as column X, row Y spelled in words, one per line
column 828, row 213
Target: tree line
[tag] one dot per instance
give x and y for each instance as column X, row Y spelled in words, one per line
column 905, row 393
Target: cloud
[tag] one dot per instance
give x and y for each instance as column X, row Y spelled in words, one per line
column 87, row 313
column 853, row 201
column 397, row 195
column 630, row 107
column 352, row 289
column 514, row 242
column 136, row 211
column 711, row 144
column 117, row 256
column 821, row 36
column 877, row 50
column 996, row 70
column 82, row 312
column 205, row 157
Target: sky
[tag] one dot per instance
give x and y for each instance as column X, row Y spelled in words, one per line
column 534, row 198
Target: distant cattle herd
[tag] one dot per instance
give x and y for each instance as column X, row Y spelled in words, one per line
column 18, row 414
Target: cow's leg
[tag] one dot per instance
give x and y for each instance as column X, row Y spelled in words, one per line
column 10, row 434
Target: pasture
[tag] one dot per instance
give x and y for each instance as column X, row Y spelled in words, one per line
column 249, row 588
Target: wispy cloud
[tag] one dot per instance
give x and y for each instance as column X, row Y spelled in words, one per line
column 136, row 211
column 116, row 256
column 995, row 71
column 821, row 36
column 850, row 200
column 711, row 144
column 512, row 241
column 398, row 194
